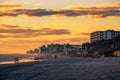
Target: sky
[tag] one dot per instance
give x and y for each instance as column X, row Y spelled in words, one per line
column 28, row 24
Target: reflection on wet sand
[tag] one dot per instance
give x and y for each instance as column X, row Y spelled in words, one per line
column 22, row 61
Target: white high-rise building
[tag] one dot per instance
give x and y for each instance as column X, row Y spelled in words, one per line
column 104, row 35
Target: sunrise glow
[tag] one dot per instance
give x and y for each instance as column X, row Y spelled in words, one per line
column 27, row 24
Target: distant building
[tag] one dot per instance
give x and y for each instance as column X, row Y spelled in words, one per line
column 43, row 49
column 59, row 48
column 31, row 52
column 69, row 48
column 55, row 48
column 36, row 50
column 51, row 48
column 104, row 35
column 76, row 47
column 66, row 48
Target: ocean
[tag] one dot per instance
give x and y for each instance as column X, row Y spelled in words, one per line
column 10, row 58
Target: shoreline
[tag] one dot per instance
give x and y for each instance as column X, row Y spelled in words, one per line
column 26, row 58
column 22, row 58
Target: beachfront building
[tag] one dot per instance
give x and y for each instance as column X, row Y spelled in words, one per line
column 43, row 49
column 59, row 48
column 66, row 48
column 30, row 52
column 103, row 47
column 52, row 48
column 103, row 43
column 76, row 47
column 104, row 35
column 69, row 48
column 36, row 51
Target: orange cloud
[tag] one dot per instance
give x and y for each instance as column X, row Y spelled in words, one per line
column 9, row 26
column 10, row 5
column 17, row 32
column 94, row 11
column 86, row 34
column 7, row 8
column 3, row 36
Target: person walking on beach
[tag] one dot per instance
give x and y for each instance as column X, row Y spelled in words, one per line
column 55, row 56
column 16, row 60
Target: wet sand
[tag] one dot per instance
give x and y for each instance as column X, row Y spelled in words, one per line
column 63, row 68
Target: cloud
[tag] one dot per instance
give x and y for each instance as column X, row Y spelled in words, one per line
column 17, row 32
column 7, row 9
column 10, row 5
column 94, row 11
column 86, row 34
column 43, row 31
column 9, row 26
column 49, row 31
column 3, row 36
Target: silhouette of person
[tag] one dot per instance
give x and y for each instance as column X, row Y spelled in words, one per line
column 16, row 59
column 55, row 56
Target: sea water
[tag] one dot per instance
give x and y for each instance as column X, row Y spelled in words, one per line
column 10, row 58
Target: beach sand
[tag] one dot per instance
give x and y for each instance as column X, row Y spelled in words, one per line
column 63, row 68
